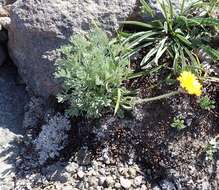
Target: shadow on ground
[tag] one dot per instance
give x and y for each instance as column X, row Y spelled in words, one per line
column 13, row 98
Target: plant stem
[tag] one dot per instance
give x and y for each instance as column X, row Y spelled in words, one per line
column 139, row 101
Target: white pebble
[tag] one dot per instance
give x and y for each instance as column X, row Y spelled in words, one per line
column 80, row 174
column 125, row 183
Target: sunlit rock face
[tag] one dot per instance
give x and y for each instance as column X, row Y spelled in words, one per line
column 39, row 27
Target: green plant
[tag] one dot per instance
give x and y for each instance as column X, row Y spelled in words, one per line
column 206, row 103
column 178, row 123
column 175, row 36
column 92, row 73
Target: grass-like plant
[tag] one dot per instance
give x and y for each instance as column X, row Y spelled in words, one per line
column 176, row 36
column 93, row 72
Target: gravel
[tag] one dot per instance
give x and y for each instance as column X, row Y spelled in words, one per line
column 118, row 160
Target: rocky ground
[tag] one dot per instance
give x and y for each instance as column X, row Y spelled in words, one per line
column 140, row 151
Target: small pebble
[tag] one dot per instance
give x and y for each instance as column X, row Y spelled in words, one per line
column 132, row 172
column 67, row 187
column 93, row 181
column 117, row 186
column 80, row 174
column 125, row 183
column 143, row 187
column 138, row 180
column 102, row 180
column 109, row 181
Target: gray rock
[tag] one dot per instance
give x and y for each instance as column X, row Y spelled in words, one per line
column 68, row 187
column 38, row 28
column 109, row 181
column 93, row 181
column 156, row 188
column 125, row 183
column 118, row 186
column 143, row 187
column 94, row 164
column 99, row 188
column 92, row 172
column 105, row 156
column 8, row 137
column 80, row 174
column 123, row 171
column 75, row 189
column 102, row 180
column 5, row 22
column 102, row 171
column 71, row 167
column 132, row 172
column 138, row 180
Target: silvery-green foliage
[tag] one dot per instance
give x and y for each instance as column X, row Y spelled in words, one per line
column 53, row 138
column 93, row 72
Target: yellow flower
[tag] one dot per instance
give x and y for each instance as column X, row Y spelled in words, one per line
column 190, row 83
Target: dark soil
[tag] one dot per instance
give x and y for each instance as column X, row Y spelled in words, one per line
column 161, row 151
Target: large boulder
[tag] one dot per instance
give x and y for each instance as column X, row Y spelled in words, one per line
column 38, row 27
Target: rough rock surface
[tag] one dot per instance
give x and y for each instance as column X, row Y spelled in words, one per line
column 175, row 3
column 39, row 27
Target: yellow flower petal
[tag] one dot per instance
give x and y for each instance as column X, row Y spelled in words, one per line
column 190, row 83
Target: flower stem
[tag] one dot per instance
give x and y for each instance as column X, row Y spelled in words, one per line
column 145, row 100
